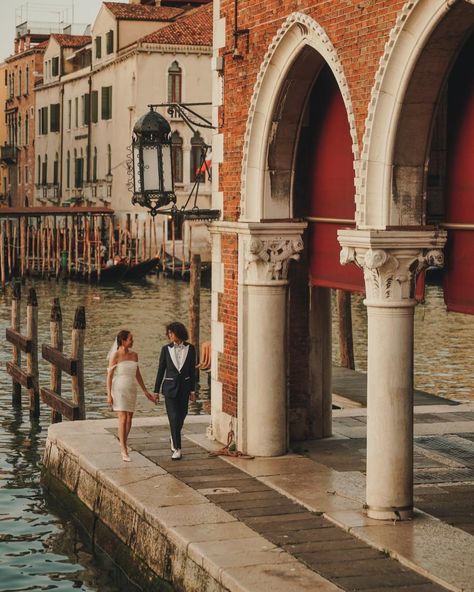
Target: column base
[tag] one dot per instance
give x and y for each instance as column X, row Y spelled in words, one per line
column 397, row 514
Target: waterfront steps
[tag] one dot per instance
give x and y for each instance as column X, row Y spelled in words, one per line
column 288, row 523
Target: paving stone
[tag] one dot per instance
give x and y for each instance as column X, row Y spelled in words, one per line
column 326, row 546
column 251, row 495
column 237, row 504
column 368, row 582
column 380, row 566
column 266, row 520
column 282, row 509
column 341, row 555
column 304, row 524
column 303, row 536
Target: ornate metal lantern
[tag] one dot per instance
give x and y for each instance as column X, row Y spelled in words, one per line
column 152, row 170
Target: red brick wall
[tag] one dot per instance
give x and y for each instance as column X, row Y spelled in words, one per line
column 228, row 316
column 359, row 31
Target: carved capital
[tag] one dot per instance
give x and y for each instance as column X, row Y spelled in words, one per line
column 390, row 263
column 267, row 258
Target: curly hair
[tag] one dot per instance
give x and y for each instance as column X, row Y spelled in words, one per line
column 178, row 329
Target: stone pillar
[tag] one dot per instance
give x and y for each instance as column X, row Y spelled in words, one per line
column 263, row 405
column 391, row 261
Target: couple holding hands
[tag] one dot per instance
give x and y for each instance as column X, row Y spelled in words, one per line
column 175, row 378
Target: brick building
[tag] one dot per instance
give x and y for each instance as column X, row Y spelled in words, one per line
column 344, row 135
column 22, row 71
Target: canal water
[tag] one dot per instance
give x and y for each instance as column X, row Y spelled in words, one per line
column 40, row 548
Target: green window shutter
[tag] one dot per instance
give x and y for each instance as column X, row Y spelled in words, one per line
column 86, row 109
column 109, row 42
column 95, row 106
column 106, row 102
column 54, row 117
column 98, row 47
column 44, row 120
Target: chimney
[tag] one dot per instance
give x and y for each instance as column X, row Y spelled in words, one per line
column 146, row 2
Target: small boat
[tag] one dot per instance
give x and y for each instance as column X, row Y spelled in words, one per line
column 140, row 269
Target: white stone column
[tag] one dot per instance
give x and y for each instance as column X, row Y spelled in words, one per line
column 391, row 261
column 263, row 405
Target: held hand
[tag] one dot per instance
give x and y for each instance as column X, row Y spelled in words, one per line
column 192, row 397
column 152, row 396
column 110, row 401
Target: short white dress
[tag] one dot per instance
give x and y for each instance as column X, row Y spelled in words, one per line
column 124, row 385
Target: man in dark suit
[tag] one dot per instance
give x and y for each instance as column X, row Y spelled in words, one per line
column 176, row 378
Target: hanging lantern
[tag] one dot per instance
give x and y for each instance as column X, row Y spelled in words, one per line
column 152, row 170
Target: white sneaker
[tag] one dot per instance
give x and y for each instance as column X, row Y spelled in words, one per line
column 171, row 445
column 176, row 454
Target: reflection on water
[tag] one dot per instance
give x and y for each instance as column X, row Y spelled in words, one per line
column 38, row 549
column 444, row 356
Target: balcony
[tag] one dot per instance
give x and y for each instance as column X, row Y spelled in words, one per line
column 8, row 154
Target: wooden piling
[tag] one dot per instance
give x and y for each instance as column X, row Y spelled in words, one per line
column 194, row 301
column 16, row 352
column 173, row 246
column 9, row 252
column 163, row 246
column 77, row 353
column 32, row 355
column 2, row 254
column 56, row 331
column 346, row 347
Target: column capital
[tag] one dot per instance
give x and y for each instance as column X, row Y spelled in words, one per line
column 391, row 261
column 267, row 252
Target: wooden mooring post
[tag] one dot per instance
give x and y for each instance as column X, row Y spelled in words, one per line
column 28, row 344
column 72, row 365
column 346, row 347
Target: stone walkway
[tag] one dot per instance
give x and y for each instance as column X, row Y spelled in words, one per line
column 324, row 547
column 288, row 524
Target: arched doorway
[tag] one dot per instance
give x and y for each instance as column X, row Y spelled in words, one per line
column 303, row 59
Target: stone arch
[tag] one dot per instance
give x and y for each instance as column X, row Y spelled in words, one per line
column 266, row 194
column 418, row 56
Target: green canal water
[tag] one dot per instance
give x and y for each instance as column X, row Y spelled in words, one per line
column 40, row 547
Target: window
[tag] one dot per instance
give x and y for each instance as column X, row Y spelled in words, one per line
column 69, row 114
column 94, row 165
column 109, row 159
column 27, row 129
column 68, row 170
column 19, row 131
column 98, row 47
column 39, row 170
column 95, row 106
column 43, row 120
column 86, row 109
column 12, row 88
column 196, row 157
column 174, row 83
column 6, row 78
column 56, row 170
column 109, row 42
column 55, row 67
column 44, row 173
column 106, row 112
column 27, row 80
column 20, row 76
column 19, row 175
column 76, row 118
column 177, row 157
column 26, row 175
column 79, row 171
column 54, row 117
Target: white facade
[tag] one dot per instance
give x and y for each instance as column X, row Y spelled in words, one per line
column 98, row 131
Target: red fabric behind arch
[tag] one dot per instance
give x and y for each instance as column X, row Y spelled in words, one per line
column 331, row 186
column 459, row 273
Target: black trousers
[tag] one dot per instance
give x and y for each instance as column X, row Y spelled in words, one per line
column 177, row 409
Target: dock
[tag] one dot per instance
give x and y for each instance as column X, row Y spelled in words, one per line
column 296, row 522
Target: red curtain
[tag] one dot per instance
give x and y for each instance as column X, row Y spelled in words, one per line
column 331, row 186
column 459, row 272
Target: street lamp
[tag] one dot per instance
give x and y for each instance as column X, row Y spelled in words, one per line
column 152, row 170
column 151, row 166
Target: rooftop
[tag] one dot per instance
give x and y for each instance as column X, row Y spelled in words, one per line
column 139, row 12
column 72, row 40
column 193, row 29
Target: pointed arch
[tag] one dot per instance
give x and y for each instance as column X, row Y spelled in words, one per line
column 298, row 34
column 412, row 71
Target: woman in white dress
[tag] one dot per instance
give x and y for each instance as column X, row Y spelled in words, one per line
column 123, row 374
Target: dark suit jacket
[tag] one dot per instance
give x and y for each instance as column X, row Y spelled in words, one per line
column 176, row 382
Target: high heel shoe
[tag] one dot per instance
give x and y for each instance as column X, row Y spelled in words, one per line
column 125, row 457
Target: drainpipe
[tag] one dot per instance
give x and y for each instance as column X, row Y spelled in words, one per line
column 61, row 144
column 237, row 33
column 89, row 132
